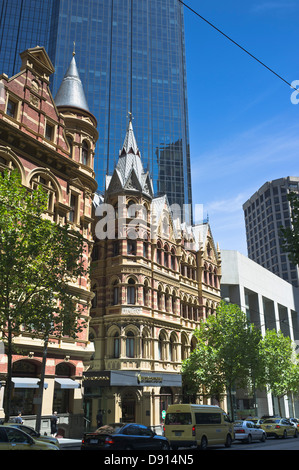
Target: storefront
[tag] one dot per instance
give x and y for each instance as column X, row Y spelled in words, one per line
column 129, row 396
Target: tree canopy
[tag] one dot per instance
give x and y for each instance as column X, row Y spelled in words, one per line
column 40, row 262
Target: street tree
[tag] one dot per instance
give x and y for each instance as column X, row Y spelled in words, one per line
column 280, row 365
column 226, row 355
column 40, row 261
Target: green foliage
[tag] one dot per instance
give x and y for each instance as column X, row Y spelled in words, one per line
column 231, row 353
column 226, row 353
column 281, row 370
column 39, row 261
column 36, row 255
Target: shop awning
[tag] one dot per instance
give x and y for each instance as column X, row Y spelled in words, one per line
column 67, row 383
column 27, row 382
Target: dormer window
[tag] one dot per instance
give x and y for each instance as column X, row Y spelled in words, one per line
column 49, row 131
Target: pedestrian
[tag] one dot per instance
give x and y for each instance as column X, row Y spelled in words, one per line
column 99, row 419
column 54, row 421
column 19, row 418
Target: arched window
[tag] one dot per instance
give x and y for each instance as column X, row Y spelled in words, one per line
column 131, row 247
column 166, row 256
column 131, row 209
column 40, row 179
column 131, row 292
column 130, row 344
column 85, row 151
column 173, row 303
column 161, row 346
column 171, row 349
column 116, row 345
column 146, row 293
column 160, row 299
column 159, row 253
column 173, row 259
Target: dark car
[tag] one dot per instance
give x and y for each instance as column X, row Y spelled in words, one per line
column 123, row 437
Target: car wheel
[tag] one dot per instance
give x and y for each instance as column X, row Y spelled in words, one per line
column 296, row 434
column 164, row 446
column 263, row 438
column 228, row 441
column 249, row 439
column 284, row 434
column 204, row 443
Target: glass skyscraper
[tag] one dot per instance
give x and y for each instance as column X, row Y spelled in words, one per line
column 131, row 58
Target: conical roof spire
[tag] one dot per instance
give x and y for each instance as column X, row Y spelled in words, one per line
column 129, row 174
column 130, row 144
column 71, row 91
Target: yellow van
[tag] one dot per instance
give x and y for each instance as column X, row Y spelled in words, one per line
column 197, row 425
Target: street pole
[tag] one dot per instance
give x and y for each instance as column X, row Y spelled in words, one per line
column 41, row 387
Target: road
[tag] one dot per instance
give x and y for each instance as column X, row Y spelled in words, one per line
column 270, row 444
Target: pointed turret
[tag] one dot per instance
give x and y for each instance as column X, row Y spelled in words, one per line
column 129, row 174
column 71, row 91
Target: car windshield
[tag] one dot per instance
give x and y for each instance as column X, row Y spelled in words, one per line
column 238, row 423
column 110, row 428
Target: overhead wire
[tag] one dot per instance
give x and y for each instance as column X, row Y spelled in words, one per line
column 238, row 45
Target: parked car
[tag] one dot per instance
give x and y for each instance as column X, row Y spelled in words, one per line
column 125, row 437
column 256, row 421
column 12, row 438
column 34, row 434
column 295, row 422
column 279, row 427
column 248, row 431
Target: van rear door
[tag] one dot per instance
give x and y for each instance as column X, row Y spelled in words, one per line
column 178, row 426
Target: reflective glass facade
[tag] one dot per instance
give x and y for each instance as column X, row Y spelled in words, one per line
column 131, row 57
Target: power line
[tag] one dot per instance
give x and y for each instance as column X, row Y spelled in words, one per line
column 238, row 45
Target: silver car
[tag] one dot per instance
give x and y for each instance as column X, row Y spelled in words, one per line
column 248, row 431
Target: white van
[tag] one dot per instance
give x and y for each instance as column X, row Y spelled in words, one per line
column 197, row 425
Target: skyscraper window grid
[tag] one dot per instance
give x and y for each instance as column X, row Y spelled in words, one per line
column 131, row 58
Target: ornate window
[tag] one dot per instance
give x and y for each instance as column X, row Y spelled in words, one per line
column 131, row 292
column 43, row 180
column 130, row 342
column 116, row 346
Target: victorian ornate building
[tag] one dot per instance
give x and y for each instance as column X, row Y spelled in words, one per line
column 154, row 279
column 51, row 143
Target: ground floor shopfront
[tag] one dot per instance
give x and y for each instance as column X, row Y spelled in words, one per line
column 62, row 393
column 129, row 396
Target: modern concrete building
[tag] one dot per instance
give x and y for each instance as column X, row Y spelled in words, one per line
column 265, row 212
column 270, row 303
column 51, row 145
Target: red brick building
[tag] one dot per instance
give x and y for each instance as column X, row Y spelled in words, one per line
column 51, row 142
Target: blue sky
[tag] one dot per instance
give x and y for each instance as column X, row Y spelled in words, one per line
column 244, row 129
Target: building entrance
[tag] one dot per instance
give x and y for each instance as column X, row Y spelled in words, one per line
column 129, row 408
